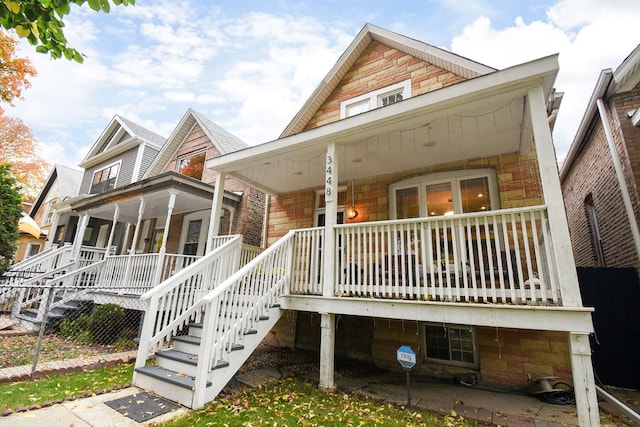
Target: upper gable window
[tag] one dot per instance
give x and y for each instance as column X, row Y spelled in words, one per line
column 377, row 98
column 192, row 164
column 48, row 216
column 105, row 179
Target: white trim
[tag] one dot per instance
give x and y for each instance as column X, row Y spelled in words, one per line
column 371, row 98
column 138, row 163
column 454, row 177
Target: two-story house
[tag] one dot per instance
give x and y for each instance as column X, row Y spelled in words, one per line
column 414, row 200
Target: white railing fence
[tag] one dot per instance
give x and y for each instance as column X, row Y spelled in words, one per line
column 174, row 303
column 498, row 257
column 237, row 305
column 307, row 274
column 37, row 265
column 51, row 269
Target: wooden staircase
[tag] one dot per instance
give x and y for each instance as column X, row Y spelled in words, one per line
column 173, row 373
column 204, row 322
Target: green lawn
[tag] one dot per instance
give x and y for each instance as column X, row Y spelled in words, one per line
column 47, row 389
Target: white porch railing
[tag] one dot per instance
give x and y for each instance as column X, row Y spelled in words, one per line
column 174, row 303
column 503, row 256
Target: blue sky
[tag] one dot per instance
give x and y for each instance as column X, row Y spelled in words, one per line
column 250, row 65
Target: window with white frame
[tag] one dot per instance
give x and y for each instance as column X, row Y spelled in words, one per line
column 32, row 249
column 319, row 216
column 451, row 344
column 48, row 216
column 192, row 164
column 444, row 193
column 105, row 179
column 377, row 98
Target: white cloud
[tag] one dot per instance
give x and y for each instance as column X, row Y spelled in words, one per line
column 589, row 36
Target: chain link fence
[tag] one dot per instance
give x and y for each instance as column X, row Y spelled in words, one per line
column 47, row 329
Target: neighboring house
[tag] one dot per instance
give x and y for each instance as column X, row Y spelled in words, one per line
column 62, row 183
column 414, row 200
column 601, row 173
column 600, row 178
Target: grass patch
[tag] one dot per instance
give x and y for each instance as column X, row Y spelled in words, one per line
column 17, row 350
column 294, row 402
column 14, row 395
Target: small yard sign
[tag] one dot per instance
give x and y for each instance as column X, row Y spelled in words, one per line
column 406, row 357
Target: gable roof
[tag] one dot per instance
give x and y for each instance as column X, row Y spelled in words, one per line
column 69, row 180
column 120, row 134
column 609, row 83
column 224, row 141
column 439, row 57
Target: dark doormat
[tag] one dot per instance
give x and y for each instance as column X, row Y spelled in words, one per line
column 142, row 406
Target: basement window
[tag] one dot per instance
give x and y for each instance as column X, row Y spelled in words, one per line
column 451, row 344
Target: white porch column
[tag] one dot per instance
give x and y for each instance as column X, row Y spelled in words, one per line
column 216, row 210
column 583, row 384
column 565, row 263
column 116, row 214
column 582, row 370
column 327, row 350
column 52, row 230
column 165, row 235
column 77, row 240
column 327, row 322
column 134, row 243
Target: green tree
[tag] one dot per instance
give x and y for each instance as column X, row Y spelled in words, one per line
column 10, row 213
column 41, row 22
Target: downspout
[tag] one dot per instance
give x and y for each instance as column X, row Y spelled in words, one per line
column 265, row 221
column 620, row 175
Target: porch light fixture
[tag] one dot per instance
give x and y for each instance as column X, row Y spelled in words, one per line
column 352, row 213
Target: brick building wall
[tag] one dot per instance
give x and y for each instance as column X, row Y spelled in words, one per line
column 249, row 213
column 507, row 357
column 518, row 184
column 593, row 173
column 381, row 66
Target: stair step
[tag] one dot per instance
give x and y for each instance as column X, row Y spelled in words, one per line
column 263, row 317
column 251, row 332
column 189, row 339
column 178, row 356
column 237, row 347
column 221, row 364
column 172, row 377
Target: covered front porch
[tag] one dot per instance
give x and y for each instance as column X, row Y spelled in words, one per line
column 445, row 207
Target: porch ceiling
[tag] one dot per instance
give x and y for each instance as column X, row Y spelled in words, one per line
column 481, row 117
column 191, row 195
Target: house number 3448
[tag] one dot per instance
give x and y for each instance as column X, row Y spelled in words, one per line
column 328, row 189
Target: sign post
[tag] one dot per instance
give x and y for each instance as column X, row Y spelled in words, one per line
column 407, row 359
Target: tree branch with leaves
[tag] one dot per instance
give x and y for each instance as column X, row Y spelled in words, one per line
column 41, row 22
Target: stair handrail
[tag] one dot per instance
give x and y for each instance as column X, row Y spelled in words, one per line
column 43, row 261
column 269, row 273
column 198, row 279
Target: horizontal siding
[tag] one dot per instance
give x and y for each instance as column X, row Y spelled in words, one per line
column 124, row 176
column 148, row 155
